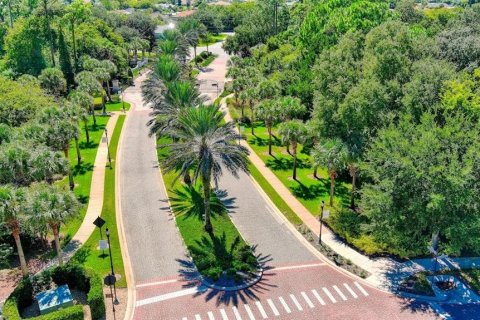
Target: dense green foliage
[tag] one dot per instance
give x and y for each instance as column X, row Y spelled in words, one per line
column 398, row 90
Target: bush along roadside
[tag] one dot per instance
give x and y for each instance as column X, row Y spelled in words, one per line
column 222, row 256
column 75, row 276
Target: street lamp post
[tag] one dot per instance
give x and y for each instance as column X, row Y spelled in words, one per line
column 322, row 206
column 107, row 232
column 108, row 149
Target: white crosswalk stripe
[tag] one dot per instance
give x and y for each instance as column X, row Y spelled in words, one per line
column 184, row 318
column 295, row 301
column 307, row 299
column 236, row 313
column 285, row 305
column 224, row 314
column 315, row 293
column 340, row 293
column 197, row 317
column 262, row 311
column 329, row 295
column 249, row 312
column 350, row 290
column 272, row 306
column 365, row 293
column 210, row 315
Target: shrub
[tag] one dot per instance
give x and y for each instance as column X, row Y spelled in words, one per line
column 72, row 274
column 95, row 298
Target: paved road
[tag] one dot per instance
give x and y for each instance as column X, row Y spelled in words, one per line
column 154, row 243
column 296, row 285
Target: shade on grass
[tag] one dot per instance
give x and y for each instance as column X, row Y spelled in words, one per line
column 211, row 253
column 117, row 106
column 82, row 174
column 307, row 189
column 89, row 255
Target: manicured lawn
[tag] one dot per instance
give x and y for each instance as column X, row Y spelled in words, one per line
column 187, row 204
column 209, row 60
column 89, row 254
column 308, row 190
column 213, row 39
column 117, row 106
column 83, row 173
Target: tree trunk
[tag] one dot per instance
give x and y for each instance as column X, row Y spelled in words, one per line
column 21, row 255
column 206, row 204
column 332, row 187
column 294, row 149
column 93, row 115
column 77, row 147
column 74, row 42
column 10, row 13
column 49, row 31
column 269, row 140
column 104, row 106
column 354, row 180
column 252, row 120
column 71, row 183
column 108, row 91
column 195, row 55
column 87, row 134
column 315, row 169
column 288, row 148
column 57, row 243
column 208, row 52
column 243, row 111
column 186, row 178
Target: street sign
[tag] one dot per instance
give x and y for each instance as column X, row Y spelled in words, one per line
column 109, row 280
column 103, row 244
column 326, row 214
column 99, row 222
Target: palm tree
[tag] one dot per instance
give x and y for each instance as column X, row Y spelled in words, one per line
column 177, row 96
column 165, row 71
column 205, row 145
column 13, row 207
column 270, row 114
column 88, row 83
column 331, row 154
column 291, row 107
column 53, row 82
column 192, row 30
column 144, row 45
column 353, row 160
column 135, row 45
column 53, row 206
column 110, row 69
column 83, row 101
column 76, row 114
column 315, row 135
column 59, row 132
column 293, row 132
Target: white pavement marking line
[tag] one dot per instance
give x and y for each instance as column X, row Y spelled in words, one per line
column 350, row 290
column 167, row 296
column 249, row 312
column 295, row 301
column 329, row 295
column 272, row 306
column 285, row 306
column 224, row 314
column 275, row 216
column 307, row 299
column 197, row 317
column 236, row 313
column 262, row 311
column 315, row 293
column 155, row 283
column 184, row 318
column 300, row 266
column 365, row 293
column 340, row 293
column 210, row 315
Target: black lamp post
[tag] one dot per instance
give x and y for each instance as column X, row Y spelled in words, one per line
column 108, row 149
column 107, row 232
column 322, row 206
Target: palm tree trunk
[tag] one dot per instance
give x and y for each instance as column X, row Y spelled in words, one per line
column 74, row 42
column 10, row 13
column 93, row 115
column 332, row 187
column 186, row 178
column 294, row 149
column 108, row 91
column 352, row 200
column 195, row 55
column 315, row 169
column 252, row 120
column 77, row 147
column 21, row 255
column 269, row 140
column 87, row 134
column 71, row 183
column 206, row 204
column 57, row 243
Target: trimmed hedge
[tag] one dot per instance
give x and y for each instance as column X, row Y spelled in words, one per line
column 75, row 276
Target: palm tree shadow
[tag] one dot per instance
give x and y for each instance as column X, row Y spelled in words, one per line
column 191, row 278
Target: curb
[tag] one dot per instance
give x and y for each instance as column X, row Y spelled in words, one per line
column 249, row 283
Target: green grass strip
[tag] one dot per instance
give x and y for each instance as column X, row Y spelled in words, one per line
column 89, row 255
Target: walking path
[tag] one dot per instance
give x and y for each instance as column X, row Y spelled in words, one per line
column 95, row 200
